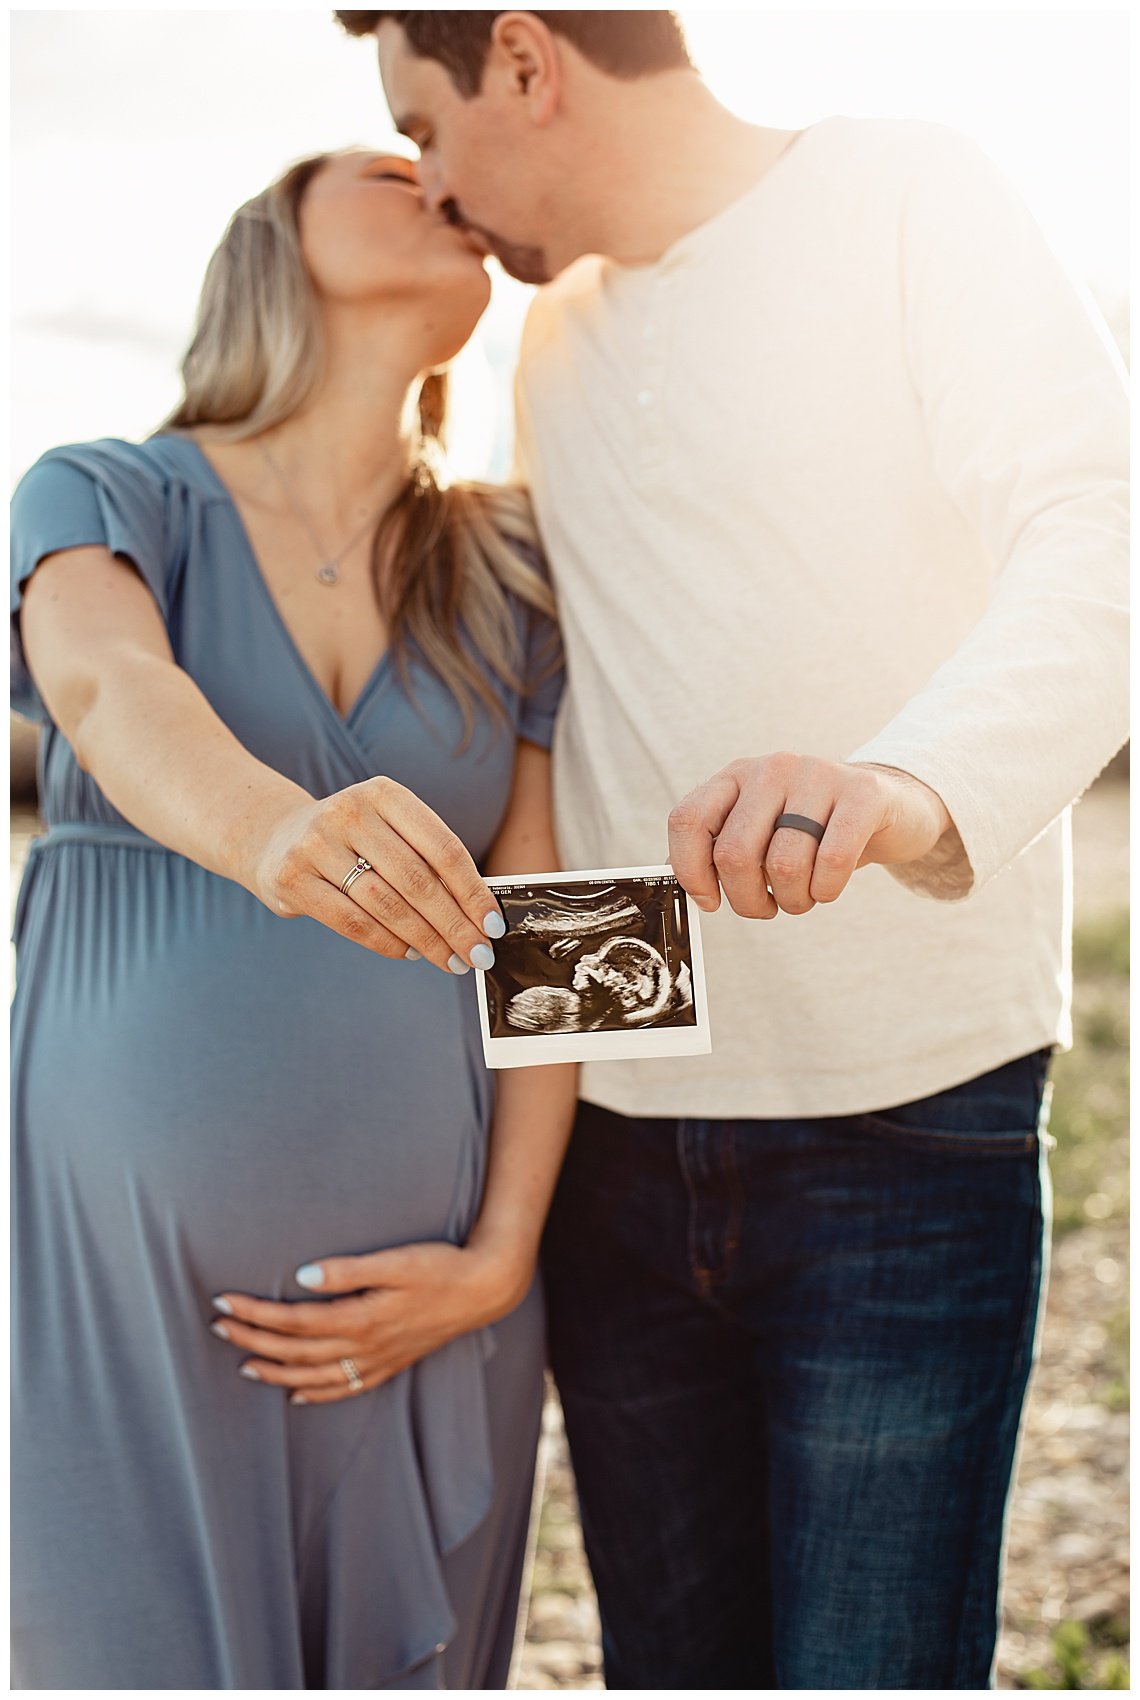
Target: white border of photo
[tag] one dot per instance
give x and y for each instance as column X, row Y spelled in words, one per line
column 531, row 1050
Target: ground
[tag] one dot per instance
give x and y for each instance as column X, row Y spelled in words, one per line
column 1065, row 1621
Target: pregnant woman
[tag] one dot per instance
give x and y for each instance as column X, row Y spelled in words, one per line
column 278, row 1349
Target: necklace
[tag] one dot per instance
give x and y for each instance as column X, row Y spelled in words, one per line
column 329, row 570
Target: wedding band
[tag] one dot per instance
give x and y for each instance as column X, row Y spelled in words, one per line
column 360, row 866
column 352, row 1374
column 801, row 823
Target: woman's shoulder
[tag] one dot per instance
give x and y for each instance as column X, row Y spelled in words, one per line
column 146, row 468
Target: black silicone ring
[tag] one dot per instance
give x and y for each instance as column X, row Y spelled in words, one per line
column 801, row 823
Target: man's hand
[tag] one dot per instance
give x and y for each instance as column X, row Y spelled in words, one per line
column 724, row 834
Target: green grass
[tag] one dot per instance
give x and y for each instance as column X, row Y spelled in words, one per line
column 1084, row 1656
column 1090, row 1093
column 1100, row 947
column 1089, row 1167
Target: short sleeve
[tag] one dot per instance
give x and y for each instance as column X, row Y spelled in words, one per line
column 545, row 673
column 544, row 669
column 92, row 494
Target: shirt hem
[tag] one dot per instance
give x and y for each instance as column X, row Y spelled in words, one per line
column 846, row 1094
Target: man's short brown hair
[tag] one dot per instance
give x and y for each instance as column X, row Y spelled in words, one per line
column 623, row 44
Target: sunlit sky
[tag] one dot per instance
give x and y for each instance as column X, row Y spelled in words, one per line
column 135, row 134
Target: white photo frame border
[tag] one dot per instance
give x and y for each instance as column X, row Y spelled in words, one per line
column 533, row 1050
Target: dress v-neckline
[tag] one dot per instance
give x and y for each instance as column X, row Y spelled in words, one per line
column 345, row 720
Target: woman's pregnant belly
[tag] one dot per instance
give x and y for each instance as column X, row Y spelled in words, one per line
column 247, row 1093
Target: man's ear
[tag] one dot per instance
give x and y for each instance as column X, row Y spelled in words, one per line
column 524, row 57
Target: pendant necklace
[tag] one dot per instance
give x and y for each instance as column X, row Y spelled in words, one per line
column 329, row 570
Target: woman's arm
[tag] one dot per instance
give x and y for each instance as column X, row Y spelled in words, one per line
column 410, row 1300
column 99, row 652
column 534, row 1107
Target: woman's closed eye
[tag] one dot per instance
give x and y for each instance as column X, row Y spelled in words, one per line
column 394, row 177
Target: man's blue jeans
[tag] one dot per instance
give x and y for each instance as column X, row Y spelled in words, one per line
column 792, row 1357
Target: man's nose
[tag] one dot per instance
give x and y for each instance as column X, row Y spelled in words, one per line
column 431, row 186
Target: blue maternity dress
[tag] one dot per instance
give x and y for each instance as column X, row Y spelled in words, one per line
column 206, row 1097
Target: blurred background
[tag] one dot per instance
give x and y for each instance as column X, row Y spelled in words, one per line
column 135, row 134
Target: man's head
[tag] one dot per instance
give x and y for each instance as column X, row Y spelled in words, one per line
column 508, row 110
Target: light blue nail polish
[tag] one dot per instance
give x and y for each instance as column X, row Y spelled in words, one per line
column 483, row 957
column 457, row 964
column 310, row 1275
column 411, row 955
column 220, row 1329
column 493, row 925
column 298, row 1399
column 249, row 1372
column 223, row 1305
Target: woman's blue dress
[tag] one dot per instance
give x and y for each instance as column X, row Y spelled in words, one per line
column 205, row 1097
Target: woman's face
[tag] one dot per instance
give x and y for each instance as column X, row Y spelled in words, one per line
column 367, row 237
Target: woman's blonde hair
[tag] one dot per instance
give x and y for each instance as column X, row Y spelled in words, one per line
column 451, row 552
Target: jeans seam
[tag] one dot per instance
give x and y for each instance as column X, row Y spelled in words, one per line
column 736, row 1203
column 1025, row 1336
column 702, row 1275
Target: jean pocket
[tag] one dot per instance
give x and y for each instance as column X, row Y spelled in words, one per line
column 999, row 1112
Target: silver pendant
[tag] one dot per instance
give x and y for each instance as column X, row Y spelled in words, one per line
column 328, row 573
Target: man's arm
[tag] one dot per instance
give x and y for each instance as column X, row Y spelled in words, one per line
column 1025, row 414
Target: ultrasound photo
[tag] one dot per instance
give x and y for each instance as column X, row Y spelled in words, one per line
column 594, row 965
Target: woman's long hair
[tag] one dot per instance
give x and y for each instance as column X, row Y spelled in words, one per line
column 445, row 555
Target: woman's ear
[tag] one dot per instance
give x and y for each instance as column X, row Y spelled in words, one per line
column 526, row 58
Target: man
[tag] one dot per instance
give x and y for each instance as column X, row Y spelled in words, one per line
column 829, row 460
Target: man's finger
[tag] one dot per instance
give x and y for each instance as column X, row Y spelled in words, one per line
column 739, row 852
column 790, row 855
column 694, row 825
column 838, row 854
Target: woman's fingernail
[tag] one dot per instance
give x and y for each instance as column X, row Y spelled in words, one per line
column 298, row 1399
column 411, row 955
column 249, row 1372
column 220, row 1329
column 310, row 1275
column 457, row 964
column 493, row 925
column 483, row 957
column 223, row 1305
column 708, row 904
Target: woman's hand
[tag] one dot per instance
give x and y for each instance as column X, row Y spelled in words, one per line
column 422, row 891
column 401, row 1305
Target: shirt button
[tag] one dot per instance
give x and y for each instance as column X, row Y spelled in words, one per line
column 645, row 398
column 649, row 331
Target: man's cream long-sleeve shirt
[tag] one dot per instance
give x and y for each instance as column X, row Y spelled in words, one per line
column 844, row 473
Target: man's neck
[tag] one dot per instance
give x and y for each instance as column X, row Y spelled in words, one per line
column 673, row 158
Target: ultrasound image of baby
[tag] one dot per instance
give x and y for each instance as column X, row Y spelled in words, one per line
column 626, row 983
column 592, row 958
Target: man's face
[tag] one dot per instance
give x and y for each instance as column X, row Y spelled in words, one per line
column 470, row 153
